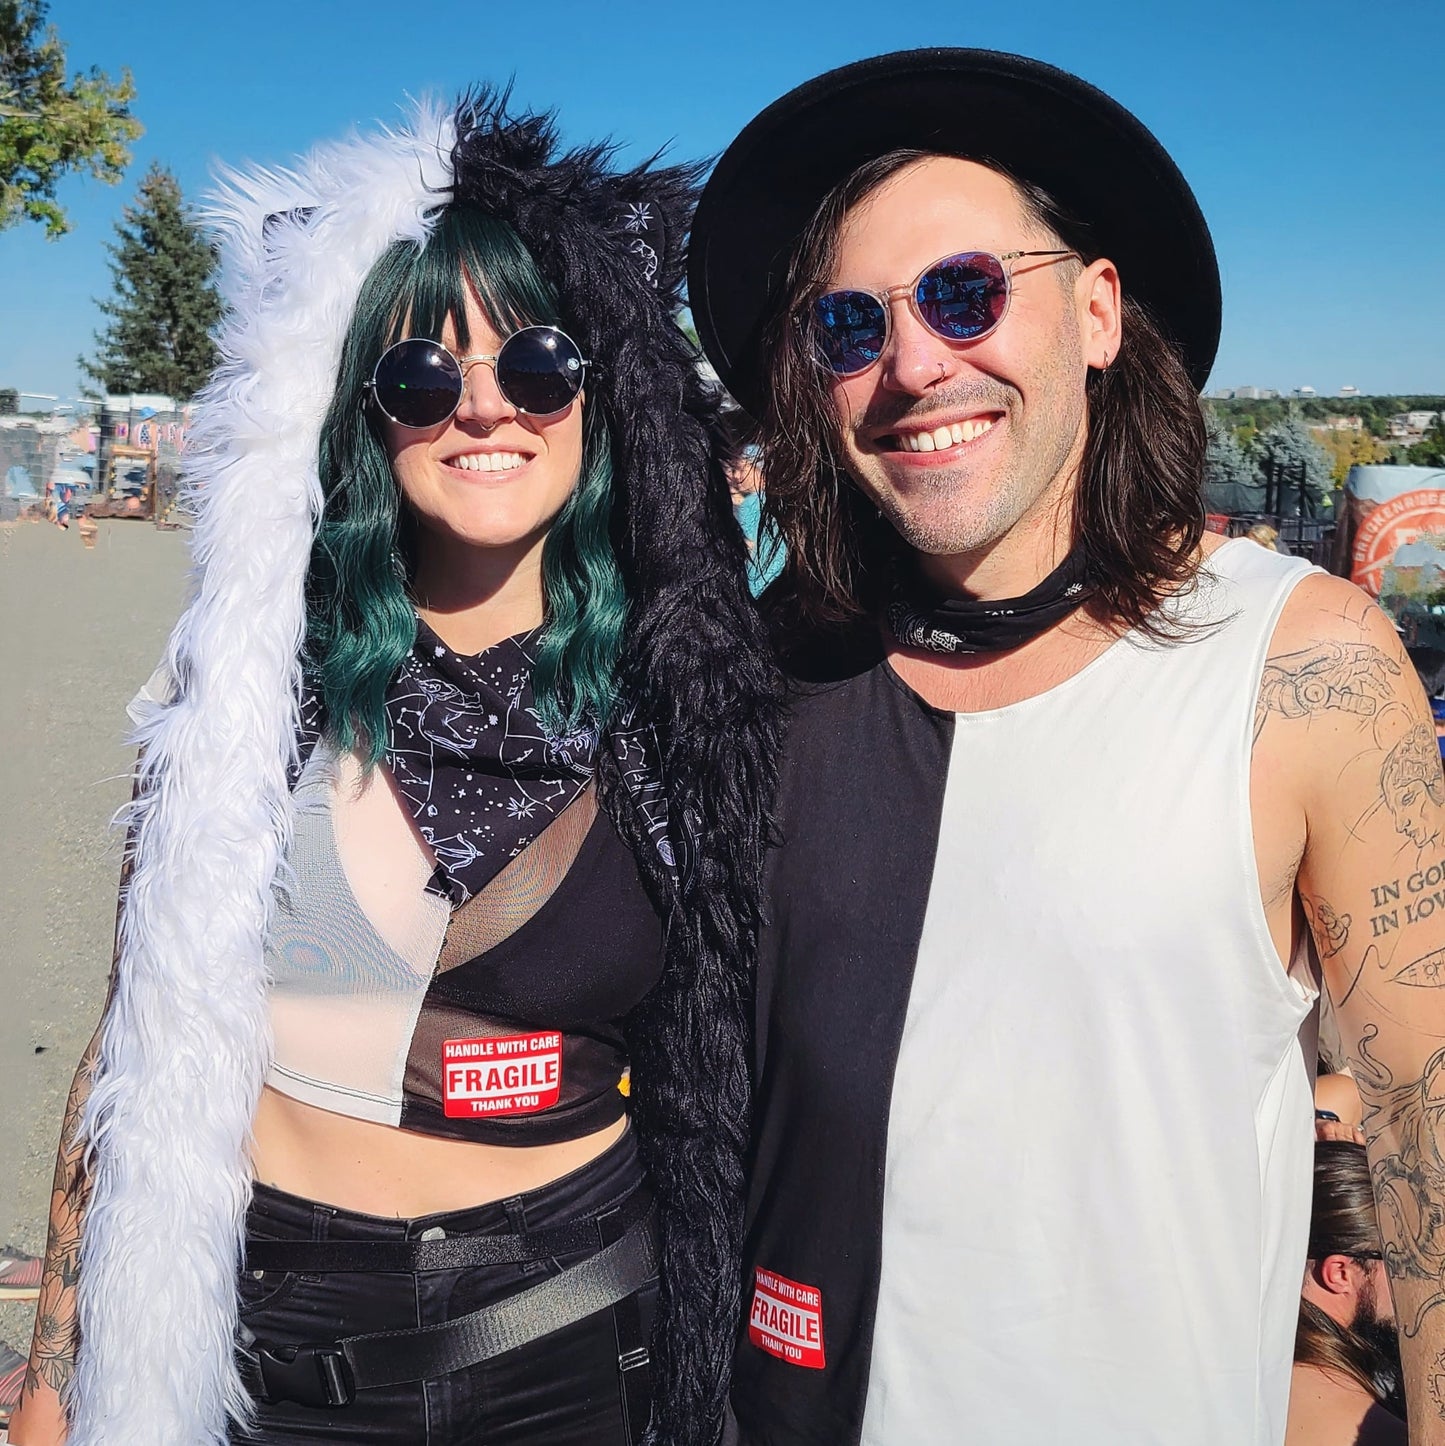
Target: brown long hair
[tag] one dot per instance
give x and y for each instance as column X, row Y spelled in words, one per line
column 1139, row 509
column 1342, row 1222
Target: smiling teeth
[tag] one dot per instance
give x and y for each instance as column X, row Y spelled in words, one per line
column 489, row 461
column 942, row 437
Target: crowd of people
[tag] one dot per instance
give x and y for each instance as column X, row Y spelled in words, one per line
column 558, row 999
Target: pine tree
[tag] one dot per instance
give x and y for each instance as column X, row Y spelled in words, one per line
column 164, row 307
column 1288, row 457
column 1231, row 482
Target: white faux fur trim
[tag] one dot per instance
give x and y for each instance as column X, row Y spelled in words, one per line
column 185, row 1044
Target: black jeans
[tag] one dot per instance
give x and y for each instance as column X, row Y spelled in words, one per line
column 562, row 1390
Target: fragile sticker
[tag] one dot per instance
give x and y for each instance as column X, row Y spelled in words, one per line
column 505, row 1074
column 786, row 1319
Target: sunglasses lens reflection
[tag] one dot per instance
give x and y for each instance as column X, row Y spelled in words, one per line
column 418, row 383
column 539, row 370
column 850, row 329
column 963, row 297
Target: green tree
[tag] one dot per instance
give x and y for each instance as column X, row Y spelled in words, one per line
column 1293, row 462
column 1349, row 449
column 1429, row 451
column 9, row 401
column 165, row 303
column 51, row 126
column 1231, row 481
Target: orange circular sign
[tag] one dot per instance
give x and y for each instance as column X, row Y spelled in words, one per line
column 1391, row 526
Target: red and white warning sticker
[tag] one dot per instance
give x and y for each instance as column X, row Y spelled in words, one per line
column 506, row 1074
column 786, row 1319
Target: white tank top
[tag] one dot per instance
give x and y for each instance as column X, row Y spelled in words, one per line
column 1099, row 1152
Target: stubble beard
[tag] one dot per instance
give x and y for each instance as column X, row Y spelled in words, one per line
column 1379, row 1335
column 963, row 509
column 952, row 511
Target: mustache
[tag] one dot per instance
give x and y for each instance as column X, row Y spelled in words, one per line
column 886, row 413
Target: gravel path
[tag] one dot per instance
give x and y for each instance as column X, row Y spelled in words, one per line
column 80, row 630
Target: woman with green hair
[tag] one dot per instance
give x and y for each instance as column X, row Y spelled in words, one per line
column 417, row 1109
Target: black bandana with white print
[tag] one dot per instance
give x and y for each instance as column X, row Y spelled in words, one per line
column 480, row 773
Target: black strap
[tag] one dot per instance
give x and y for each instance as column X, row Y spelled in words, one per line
column 634, row 1358
column 461, row 1252
column 329, row 1375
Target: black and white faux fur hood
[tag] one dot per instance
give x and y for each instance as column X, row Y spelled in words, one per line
column 185, row 1041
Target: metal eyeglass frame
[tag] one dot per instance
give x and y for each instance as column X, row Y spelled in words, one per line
column 462, row 363
column 909, row 290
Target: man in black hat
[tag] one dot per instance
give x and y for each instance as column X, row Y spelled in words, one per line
column 1077, row 798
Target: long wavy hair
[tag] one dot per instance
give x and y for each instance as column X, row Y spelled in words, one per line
column 360, row 619
column 1343, row 1222
column 1138, row 510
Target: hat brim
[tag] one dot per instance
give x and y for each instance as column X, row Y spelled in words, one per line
column 1041, row 124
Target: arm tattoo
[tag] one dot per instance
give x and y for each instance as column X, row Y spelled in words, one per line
column 52, row 1352
column 1408, row 1172
column 1331, row 930
column 1437, row 1384
column 1413, row 787
column 1373, row 1077
column 1349, row 677
column 1426, row 972
column 57, row 1324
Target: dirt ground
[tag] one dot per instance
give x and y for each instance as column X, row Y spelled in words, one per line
column 80, row 631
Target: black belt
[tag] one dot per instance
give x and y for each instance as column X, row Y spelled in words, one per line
column 460, row 1252
column 329, row 1375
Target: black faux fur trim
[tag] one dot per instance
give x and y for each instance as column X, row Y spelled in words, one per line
column 698, row 666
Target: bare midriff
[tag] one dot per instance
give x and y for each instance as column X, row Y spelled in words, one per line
column 381, row 1170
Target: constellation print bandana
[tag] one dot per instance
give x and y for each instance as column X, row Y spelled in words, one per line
column 480, row 774
column 470, row 755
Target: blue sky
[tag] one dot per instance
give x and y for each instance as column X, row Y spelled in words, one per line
column 1312, row 133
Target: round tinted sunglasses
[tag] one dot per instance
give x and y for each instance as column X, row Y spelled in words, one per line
column 960, row 298
column 419, row 383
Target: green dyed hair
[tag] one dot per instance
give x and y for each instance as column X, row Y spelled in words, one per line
column 360, row 621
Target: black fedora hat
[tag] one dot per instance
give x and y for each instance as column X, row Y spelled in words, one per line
column 1040, row 123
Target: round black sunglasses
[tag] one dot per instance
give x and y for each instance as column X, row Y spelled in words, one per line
column 419, row 383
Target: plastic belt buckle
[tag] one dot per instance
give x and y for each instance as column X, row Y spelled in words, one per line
column 307, row 1375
